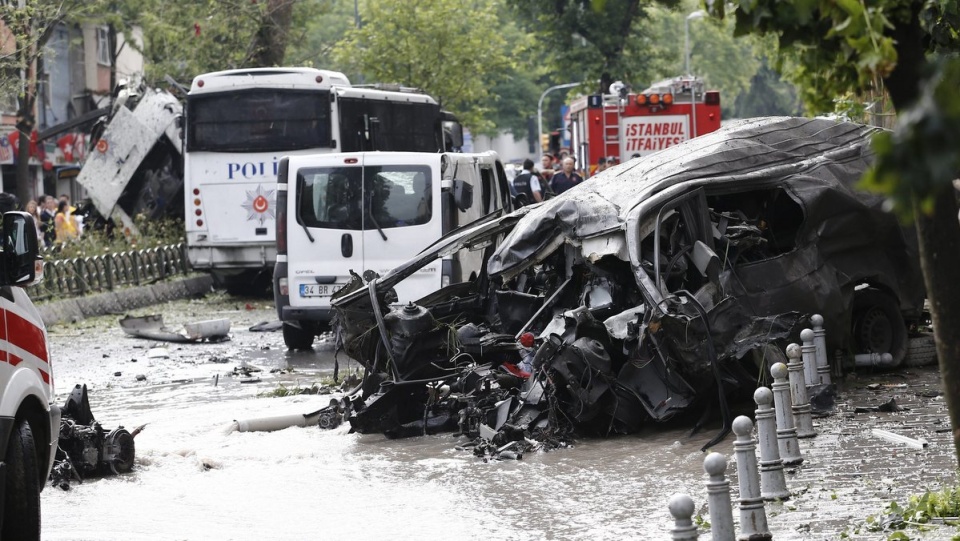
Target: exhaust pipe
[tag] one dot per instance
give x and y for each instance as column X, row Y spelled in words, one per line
column 280, row 422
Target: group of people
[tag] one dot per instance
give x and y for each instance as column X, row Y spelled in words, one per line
column 54, row 217
column 555, row 176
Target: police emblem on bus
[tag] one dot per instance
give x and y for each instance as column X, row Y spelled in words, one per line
column 259, row 204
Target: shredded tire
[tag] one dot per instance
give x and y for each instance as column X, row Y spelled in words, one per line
column 921, row 351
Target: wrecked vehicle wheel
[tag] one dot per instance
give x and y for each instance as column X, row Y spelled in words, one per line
column 21, row 508
column 120, row 444
column 298, row 337
column 878, row 325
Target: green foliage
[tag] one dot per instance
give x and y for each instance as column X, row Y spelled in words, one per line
column 726, row 63
column 152, row 233
column 919, row 513
column 434, row 47
column 920, row 157
column 845, row 46
column 184, row 39
column 767, row 95
column 587, row 38
column 314, row 36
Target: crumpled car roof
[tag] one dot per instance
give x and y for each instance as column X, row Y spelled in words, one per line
column 752, row 149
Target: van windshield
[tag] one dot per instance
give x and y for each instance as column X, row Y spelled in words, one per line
column 361, row 198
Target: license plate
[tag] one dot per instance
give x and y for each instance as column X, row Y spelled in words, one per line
column 318, row 290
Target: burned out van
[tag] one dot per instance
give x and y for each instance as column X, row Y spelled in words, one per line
column 362, row 214
column 661, row 287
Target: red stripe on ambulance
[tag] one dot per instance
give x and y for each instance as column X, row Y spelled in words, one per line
column 26, row 335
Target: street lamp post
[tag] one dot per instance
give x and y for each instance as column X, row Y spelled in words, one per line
column 699, row 14
column 540, row 104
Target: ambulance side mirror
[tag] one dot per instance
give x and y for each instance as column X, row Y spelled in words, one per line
column 20, row 249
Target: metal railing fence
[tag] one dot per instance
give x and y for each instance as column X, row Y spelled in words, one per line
column 82, row 275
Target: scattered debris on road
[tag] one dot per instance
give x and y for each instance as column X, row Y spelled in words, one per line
column 900, row 438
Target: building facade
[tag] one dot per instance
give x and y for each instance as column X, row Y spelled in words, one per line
column 73, row 89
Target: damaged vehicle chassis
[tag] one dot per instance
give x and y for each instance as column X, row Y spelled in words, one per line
column 663, row 287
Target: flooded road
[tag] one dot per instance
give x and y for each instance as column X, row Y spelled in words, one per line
column 194, row 478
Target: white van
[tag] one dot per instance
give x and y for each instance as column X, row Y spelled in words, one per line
column 367, row 212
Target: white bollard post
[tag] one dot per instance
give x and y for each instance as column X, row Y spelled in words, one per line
column 773, row 485
column 753, row 517
column 809, row 351
column 798, row 394
column 718, row 498
column 786, row 431
column 820, row 341
column 681, row 507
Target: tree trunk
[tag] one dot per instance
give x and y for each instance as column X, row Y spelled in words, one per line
column 271, row 39
column 939, row 236
column 26, row 123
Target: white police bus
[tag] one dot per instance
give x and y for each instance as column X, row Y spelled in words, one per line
column 239, row 123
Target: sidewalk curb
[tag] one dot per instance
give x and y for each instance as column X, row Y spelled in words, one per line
column 116, row 302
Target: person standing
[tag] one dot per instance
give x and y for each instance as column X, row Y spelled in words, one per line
column 33, row 209
column 65, row 223
column 566, row 178
column 48, row 212
column 527, row 185
column 601, row 165
column 546, row 167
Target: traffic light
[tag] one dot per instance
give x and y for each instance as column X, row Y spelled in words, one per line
column 544, row 142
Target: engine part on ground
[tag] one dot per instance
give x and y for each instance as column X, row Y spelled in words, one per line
column 86, row 449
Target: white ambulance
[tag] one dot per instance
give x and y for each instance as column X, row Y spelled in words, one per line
column 367, row 212
column 29, row 421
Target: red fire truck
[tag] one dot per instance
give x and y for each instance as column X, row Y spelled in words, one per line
column 624, row 124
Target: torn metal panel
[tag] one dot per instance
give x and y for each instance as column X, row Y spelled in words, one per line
column 152, row 327
column 135, row 165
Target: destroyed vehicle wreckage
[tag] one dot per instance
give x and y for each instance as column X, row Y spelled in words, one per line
column 659, row 287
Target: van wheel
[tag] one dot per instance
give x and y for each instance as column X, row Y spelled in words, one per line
column 21, row 507
column 298, row 337
column 878, row 325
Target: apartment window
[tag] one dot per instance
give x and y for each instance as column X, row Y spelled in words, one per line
column 103, row 46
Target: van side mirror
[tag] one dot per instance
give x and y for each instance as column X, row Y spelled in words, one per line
column 453, row 133
column 463, row 194
column 20, row 249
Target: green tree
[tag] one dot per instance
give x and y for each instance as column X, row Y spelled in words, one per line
column 587, row 39
column 183, row 39
column 434, row 47
column 726, row 63
column 891, row 45
column 316, row 36
column 768, row 95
